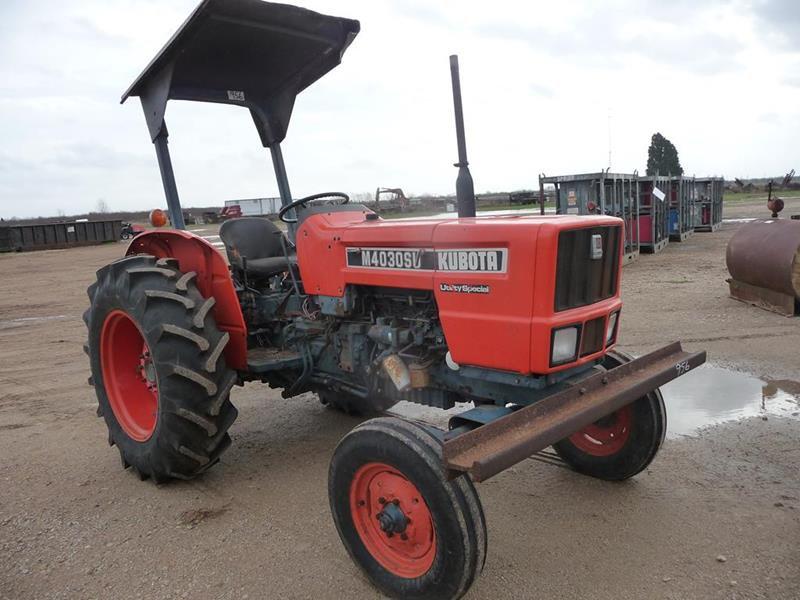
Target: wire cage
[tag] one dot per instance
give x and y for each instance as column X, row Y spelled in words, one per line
column 653, row 213
column 603, row 193
column 708, row 203
column 681, row 208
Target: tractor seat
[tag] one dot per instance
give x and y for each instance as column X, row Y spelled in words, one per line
column 256, row 243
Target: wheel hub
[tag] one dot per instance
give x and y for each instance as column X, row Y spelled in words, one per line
column 606, row 436
column 392, row 519
column 129, row 375
column 147, row 370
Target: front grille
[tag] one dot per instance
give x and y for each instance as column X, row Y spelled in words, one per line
column 594, row 332
column 581, row 280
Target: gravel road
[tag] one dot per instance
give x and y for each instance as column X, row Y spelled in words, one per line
column 716, row 516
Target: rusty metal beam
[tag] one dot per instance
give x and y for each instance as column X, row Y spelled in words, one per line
column 491, row 448
column 762, row 297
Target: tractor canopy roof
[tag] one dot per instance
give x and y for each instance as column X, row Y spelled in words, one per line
column 249, row 53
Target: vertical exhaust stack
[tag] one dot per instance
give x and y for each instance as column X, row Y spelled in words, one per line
column 465, row 191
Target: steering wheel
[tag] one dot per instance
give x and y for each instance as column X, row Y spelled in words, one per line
column 303, row 201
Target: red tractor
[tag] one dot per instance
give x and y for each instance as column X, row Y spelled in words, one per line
column 517, row 316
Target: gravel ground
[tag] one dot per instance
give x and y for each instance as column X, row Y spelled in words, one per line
column 716, row 516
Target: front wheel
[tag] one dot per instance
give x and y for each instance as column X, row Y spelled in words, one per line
column 621, row 444
column 413, row 532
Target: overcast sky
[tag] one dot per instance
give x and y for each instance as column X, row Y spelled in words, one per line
column 546, row 86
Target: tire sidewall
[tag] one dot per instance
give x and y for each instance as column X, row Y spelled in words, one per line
column 194, row 410
column 628, row 460
column 106, row 301
column 362, row 447
column 648, row 429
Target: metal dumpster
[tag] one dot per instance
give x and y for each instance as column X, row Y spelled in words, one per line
column 47, row 236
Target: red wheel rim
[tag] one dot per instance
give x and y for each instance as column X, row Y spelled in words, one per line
column 383, row 500
column 606, row 436
column 129, row 376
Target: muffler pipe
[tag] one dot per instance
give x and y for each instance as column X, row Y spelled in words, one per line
column 397, row 370
column 465, row 189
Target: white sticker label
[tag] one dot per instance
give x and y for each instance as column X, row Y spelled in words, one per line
column 597, row 247
column 236, row 95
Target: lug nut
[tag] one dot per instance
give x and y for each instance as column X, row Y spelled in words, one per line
column 396, row 502
column 381, row 500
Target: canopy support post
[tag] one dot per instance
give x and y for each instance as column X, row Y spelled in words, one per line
column 168, row 179
column 283, row 182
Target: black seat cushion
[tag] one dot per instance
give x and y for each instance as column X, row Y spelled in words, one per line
column 259, row 242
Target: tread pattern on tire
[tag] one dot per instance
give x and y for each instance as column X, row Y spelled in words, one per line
column 194, row 381
column 655, row 404
column 461, row 491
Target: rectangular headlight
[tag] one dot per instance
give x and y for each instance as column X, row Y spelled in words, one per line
column 565, row 345
column 611, row 328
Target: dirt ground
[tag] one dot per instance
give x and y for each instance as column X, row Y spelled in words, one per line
column 716, row 516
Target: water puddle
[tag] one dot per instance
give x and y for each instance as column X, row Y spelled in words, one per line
column 710, row 395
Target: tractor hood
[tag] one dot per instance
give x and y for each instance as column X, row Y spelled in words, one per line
column 502, row 285
column 249, row 53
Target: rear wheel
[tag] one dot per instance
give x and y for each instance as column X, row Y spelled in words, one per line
column 413, row 532
column 621, row 444
column 158, row 368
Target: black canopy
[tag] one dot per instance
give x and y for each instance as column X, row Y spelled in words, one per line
column 244, row 52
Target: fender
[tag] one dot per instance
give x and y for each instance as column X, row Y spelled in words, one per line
column 193, row 253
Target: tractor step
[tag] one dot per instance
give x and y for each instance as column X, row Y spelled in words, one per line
column 492, row 448
column 263, row 360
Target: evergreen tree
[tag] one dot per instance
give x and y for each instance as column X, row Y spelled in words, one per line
column 662, row 157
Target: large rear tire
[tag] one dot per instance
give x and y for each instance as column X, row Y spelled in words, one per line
column 624, row 443
column 414, row 533
column 158, row 368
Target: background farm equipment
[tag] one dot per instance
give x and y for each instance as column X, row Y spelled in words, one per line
column 391, row 199
column 130, row 230
column 367, row 313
